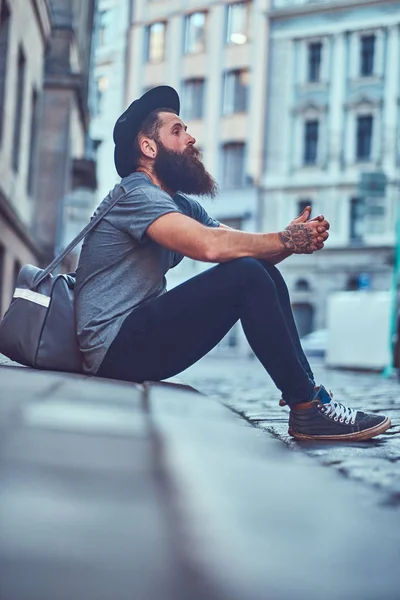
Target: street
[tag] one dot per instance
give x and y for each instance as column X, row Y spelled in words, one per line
column 243, row 384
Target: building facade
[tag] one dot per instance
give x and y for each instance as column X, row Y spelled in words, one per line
column 215, row 55
column 332, row 135
column 44, row 151
column 110, row 59
column 23, row 26
column 66, row 169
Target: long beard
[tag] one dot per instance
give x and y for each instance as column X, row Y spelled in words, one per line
column 184, row 171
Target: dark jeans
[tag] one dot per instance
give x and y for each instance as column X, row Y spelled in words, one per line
column 167, row 334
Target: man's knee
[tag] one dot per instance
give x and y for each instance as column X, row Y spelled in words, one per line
column 250, row 271
column 276, row 275
column 246, row 264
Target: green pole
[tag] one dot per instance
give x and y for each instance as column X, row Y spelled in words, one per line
column 389, row 369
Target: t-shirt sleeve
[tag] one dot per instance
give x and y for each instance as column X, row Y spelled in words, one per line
column 139, row 208
column 203, row 216
column 195, row 210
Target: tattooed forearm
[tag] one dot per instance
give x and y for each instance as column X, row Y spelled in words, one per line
column 297, row 238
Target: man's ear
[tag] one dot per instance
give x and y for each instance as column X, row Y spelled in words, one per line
column 148, row 147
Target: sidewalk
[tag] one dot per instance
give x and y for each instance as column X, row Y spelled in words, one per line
column 245, row 387
column 112, row 491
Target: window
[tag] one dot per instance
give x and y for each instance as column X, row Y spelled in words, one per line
column 104, row 26
column 364, row 137
column 302, row 285
column 17, row 268
column 195, row 33
column 33, row 134
column 301, row 205
column 101, row 88
column 2, row 256
column 193, row 98
column 19, row 105
column 310, row 142
column 156, row 42
column 357, row 220
column 235, row 91
column 314, row 61
column 367, row 55
column 237, row 23
column 4, row 32
column 233, row 165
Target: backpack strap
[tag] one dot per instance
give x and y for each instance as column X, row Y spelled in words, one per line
column 92, row 223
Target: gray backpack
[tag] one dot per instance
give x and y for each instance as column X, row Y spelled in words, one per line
column 38, row 330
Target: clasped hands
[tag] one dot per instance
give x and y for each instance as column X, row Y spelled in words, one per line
column 304, row 235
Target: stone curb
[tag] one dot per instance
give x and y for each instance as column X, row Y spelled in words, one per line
column 161, row 492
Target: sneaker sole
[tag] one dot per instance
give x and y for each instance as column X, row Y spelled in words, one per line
column 357, row 436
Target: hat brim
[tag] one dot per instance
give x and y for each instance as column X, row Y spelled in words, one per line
column 128, row 124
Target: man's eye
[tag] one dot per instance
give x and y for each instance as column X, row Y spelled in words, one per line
column 176, row 132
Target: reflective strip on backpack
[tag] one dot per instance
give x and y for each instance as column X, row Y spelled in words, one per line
column 32, row 296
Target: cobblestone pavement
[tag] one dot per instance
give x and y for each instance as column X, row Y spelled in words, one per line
column 243, row 385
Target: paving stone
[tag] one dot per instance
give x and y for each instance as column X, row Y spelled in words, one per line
column 243, row 385
column 255, row 482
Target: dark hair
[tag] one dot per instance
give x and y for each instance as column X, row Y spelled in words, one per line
column 150, row 128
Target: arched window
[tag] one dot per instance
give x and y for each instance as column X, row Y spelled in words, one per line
column 302, row 285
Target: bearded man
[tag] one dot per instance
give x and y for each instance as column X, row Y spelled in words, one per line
column 131, row 328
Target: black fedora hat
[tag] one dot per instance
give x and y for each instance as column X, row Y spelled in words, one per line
column 128, row 124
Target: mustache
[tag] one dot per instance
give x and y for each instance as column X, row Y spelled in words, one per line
column 193, row 152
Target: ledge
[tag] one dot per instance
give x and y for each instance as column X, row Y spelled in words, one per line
column 315, row 7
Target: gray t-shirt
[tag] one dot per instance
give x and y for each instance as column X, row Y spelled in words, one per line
column 120, row 266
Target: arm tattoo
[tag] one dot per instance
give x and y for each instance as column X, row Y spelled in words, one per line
column 297, row 238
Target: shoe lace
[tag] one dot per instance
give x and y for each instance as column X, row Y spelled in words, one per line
column 340, row 412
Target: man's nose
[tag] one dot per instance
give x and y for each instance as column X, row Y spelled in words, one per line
column 191, row 140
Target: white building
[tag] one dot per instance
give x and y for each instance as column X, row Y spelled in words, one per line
column 112, row 30
column 215, row 55
column 333, row 119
